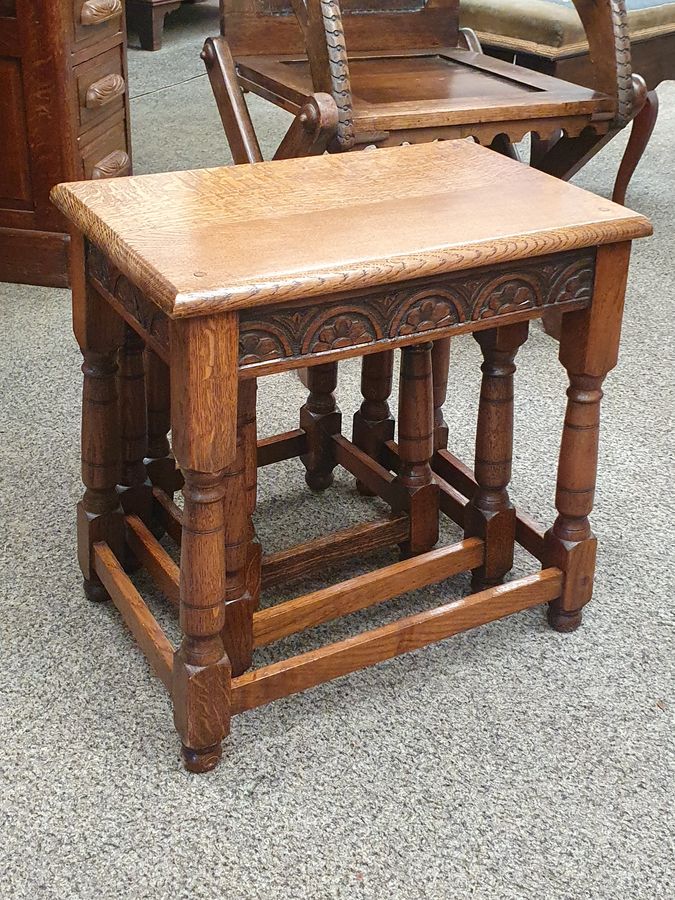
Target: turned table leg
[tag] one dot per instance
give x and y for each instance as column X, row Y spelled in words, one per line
column 490, row 514
column 159, row 463
column 98, row 330
column 247, row 432
column 373, row 423
column 240, row 604
column 440, row 364
column 134, row 488
column 416, row 447
column 203, row 417
column 320, row 418
column 589, row 348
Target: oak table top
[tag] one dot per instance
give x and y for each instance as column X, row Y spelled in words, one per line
column 214, row 240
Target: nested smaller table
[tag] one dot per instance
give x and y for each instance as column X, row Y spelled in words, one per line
column 191, row 285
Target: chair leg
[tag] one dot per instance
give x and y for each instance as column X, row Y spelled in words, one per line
column 229, row 98
column 490, row 514
column 568, row 155
column 641, row 132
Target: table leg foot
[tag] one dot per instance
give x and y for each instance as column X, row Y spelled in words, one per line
column 563, row 620
column 203, row 760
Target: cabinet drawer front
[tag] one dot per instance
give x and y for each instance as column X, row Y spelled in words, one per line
column 96, row 19
column 105, row 152
column 101, row 87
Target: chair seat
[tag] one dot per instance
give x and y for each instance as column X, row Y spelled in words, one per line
column 552, row 28
column 434, row 88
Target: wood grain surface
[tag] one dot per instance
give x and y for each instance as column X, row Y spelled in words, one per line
column 221, row 239
column 410, row 633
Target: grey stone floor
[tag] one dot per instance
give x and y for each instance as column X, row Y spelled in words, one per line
column 510, row 763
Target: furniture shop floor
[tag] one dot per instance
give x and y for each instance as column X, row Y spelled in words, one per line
column 508, row 763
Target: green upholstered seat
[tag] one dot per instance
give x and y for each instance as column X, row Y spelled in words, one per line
column 552, row 28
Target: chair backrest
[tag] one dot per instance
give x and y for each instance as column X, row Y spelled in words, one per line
column 254, row 27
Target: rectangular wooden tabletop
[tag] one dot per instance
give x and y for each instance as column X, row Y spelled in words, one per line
column 213, row 240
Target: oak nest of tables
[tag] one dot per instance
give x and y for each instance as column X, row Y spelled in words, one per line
column 189, row 286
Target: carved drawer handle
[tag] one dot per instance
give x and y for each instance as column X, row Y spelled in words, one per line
column 96, row 11
column 104, row 91
column 114, row 165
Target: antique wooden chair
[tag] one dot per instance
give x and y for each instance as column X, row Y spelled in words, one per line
column 403, row 70
column 362, row 73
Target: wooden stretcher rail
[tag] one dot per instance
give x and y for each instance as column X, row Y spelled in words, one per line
column 154, row 558
column 140, row 621
column 332, row 548
column 170, row 514
column 375, row 477
column 282, row 446
column 365, row 590
column 317, row 666
column 451, row 502
column 459, row 476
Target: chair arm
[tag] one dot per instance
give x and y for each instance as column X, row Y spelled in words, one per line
column 321, row 24
column 606, row 25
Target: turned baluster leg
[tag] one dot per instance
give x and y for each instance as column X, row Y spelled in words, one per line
column 490, row 514
column 588, row 350
column 248, row 434
column 159, row 463
column 416, row 446
column 440, row 364
column 373, row 423
column 134, row 488
column 203, row 418
column 320, row 418
column 100, row 517
column 237, row 632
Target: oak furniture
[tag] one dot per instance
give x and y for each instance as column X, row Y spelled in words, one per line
column 64, row 116
column 482, row 245
column 548, row 36
column 146, row 18
column 376, row 73
column 407, row 72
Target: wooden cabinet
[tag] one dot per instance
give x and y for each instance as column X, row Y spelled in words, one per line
column 64, row 116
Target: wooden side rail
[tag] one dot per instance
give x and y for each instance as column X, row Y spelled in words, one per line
column 454, row 471
column 370, row 473
column 140, row 621
column 332, row 548
column 282, row 446
column 365, row 590
column 171, row 516
column 459, row 476
column 451, row 502
column 154, row 558
column 410, row 633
